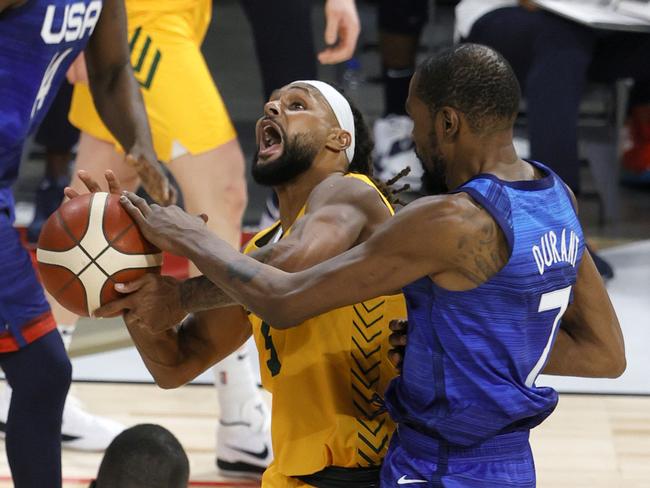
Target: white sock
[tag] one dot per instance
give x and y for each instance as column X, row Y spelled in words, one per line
column 235, row 384
column 66, row 332
column 254, row 359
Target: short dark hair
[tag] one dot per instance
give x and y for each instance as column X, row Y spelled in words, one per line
column 144, row 456
column 474, row 79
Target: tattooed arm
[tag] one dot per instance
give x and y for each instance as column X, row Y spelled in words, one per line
column 422, row 240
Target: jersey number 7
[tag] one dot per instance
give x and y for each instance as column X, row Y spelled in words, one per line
column 558, row 299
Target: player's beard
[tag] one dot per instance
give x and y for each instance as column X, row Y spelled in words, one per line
column 434, row 180
column 297, row 157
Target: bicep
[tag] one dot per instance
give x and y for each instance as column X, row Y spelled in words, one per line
column 318, row 236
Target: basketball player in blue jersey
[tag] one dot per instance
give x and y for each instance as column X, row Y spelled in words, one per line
column 39, row 40
column 497, row 282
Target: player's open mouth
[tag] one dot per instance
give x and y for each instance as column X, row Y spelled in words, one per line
column 269, row 140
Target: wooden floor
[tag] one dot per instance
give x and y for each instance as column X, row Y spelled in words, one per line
column 589, row 442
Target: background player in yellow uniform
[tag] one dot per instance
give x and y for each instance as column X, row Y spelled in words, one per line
column 325, row 373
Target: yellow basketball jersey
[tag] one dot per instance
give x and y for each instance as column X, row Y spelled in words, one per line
column 323, row 375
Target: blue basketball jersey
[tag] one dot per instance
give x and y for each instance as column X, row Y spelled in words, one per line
column 473, row 356
column 39, row 42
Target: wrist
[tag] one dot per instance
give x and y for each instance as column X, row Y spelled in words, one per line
column 191, row 244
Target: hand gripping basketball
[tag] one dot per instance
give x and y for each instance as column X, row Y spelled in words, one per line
column 87, row 246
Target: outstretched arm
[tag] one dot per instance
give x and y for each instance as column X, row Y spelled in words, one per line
column 117, row 97
column 340, row 213
column 384, row 263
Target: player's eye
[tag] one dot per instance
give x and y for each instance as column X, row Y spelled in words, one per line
column 297, row 106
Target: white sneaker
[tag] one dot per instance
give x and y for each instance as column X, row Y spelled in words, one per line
column 395, row 150
column 84, row 431
column 244, row 447
column 80, row 430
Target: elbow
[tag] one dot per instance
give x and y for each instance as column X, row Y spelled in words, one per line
column 277, row 306
column 169, row 381
column 278, row 318
column 282, row 323
column 616, row 366
column 611, row 361
column 617, row 362
column 279, row 313
column 168, row 384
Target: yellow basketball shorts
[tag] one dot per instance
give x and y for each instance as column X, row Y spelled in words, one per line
column 186, row 112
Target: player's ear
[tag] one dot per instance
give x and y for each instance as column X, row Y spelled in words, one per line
column 449, row 120
column 338, row 140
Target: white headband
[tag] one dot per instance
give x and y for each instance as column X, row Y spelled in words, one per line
column 340, row 107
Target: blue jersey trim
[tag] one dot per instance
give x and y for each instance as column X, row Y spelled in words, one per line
column 530, row 185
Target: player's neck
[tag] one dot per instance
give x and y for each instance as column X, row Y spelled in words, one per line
column 494, row 154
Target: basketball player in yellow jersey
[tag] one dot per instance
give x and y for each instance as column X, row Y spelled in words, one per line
column 325, row 373
column 194, row 136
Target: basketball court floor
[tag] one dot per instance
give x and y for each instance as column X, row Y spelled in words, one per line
column 598, row 437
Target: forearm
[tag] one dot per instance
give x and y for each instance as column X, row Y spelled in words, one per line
column 118, row 101
column 575, row 356
column 252, row 284
column 199, row 294
column 161, row 354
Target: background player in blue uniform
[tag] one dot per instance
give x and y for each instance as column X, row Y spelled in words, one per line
column 39, row 39
column 497, row 281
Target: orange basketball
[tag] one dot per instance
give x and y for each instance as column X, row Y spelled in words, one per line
column 86, row 246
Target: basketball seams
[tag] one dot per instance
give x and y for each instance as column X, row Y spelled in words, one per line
column 78, row 244
column 67, row 283
column 71, row 269
column 120, row 233
column 67, row 230
column 76, row 241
